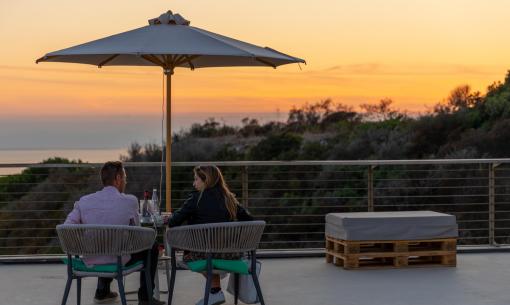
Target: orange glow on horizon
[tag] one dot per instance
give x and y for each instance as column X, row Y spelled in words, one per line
column 357, row 52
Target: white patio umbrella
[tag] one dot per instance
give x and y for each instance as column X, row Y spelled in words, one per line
column 170, row 42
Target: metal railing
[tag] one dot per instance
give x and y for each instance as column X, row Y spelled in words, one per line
column 291, row 196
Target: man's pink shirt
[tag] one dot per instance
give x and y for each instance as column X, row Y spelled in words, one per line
column 106, row 207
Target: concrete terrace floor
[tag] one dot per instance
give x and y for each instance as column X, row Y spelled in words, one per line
column 479, row 279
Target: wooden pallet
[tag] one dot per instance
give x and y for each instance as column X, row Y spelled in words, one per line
column 391, row 253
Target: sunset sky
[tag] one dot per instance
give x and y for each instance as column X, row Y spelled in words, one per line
column 357, row 51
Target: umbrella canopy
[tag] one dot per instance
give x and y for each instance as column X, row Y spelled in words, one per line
column 166, row 36
column 170, row 42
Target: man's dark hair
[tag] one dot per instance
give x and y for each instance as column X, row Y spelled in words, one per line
column 109, row 172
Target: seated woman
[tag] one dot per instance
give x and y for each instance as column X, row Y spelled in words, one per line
column 212, row 202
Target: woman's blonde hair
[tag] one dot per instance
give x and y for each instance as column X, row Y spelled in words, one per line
column 211, row 175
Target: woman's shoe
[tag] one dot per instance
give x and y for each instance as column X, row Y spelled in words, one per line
column 154, row 302
column 214, row 299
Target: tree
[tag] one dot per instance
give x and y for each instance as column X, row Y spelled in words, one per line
column 381, row 111
column 211, row 128
column 150, row 152
column 460, row 98
column 279, row 146
column 318, row 116
column 250, row 127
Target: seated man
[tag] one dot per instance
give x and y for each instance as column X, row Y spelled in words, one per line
column 110, row 206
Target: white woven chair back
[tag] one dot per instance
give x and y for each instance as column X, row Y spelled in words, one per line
column 112, row 240
column 225, row 237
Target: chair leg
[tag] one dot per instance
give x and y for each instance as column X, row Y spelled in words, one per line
column 236, row 288
column 167, row 272
column 68, row 288
column 148, row 281
column 69, row 279
column 255, row 277
column 257, row 286
column 156, row 285
column 120, row 281
column 171, row 282
column 78, row 290
column 209, row 280
column 121, row 289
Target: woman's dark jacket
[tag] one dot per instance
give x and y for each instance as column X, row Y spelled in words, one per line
column 210, row 209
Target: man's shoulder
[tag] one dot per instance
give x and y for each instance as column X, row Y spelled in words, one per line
column 129, row 197
column 103, row 195
column 89, row 197
column 129, row 200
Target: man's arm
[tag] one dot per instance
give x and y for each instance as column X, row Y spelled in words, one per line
column 75, row 216
column 135, row 216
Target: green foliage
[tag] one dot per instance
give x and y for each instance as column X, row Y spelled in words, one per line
column 497, row 104
column 319, row 116
column 150, row 152
column 229, row 152
column 45, row 194
column 250, row 128
column 13, row 187
column 465, row 123
column 280, row 146
column 211, row 128
column 315, row 150
column 381, row 111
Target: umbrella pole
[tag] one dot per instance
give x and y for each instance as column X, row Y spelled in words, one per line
column 168, row 167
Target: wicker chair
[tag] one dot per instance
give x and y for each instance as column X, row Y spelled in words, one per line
column 109, row 240
column 229, row 237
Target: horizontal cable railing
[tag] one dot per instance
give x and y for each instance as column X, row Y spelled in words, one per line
column 291, row 196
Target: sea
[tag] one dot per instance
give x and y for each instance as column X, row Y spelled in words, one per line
column 95, row 139
column 96, row 155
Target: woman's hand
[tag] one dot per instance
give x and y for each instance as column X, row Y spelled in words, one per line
column 166, row 216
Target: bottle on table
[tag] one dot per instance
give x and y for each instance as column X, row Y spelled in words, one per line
column 155, row 202
column 145, row 206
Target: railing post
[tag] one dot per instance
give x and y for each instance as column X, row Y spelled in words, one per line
column 492, row 203
column 244, row 186
column 370, row 183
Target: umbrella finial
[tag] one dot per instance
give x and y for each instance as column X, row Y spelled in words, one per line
column 169, row 18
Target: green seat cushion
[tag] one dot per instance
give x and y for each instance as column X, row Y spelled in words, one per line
column 79, row 265
column 236, row 266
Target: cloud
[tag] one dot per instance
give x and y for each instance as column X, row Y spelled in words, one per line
column 88, row 69
column 363, row 68
column 375, row 69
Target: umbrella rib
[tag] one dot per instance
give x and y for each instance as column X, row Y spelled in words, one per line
column 265, row 62
column 169, row 61
column 295, row 58
column 177, row 60
column 161, row 60
column 44, row 58
column 107, row 60
column 165, row 61
column 155, row 60
column 188, row 59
